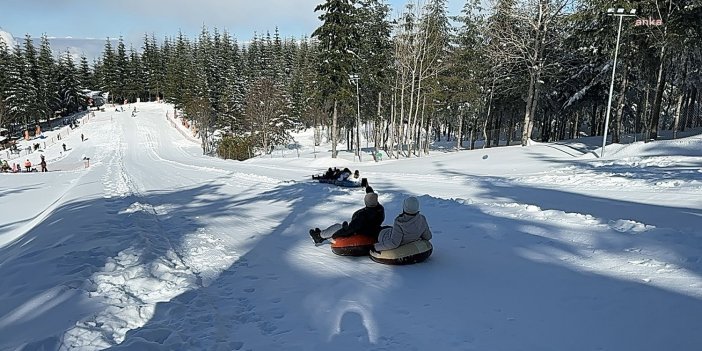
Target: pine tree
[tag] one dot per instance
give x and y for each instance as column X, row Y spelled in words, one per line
column 234, row 92
column 135, row 81
column 68, row 84
column 20, row 93
column 6, row 62
column 375, row 49
column 121, row 62
column 47, row 87
column 150, row 62
column 337, row 37
column 179, row 71
column 107, row 71
column 85, row 76
column 36, row 104
column 267, row 115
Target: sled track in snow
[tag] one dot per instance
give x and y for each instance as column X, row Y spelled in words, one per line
column 152, row 270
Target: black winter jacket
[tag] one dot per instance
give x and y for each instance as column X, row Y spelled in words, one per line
column 366, row 221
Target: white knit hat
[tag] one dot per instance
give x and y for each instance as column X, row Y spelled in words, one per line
column 410, row 205
column 371, row 200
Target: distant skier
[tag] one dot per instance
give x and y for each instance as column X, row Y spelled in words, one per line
column 43, row 164
column 28, row 165
column 82, row 138
column 64, row 146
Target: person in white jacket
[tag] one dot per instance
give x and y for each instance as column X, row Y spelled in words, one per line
column 409, row 226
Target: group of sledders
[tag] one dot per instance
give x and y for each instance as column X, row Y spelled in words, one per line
column 341, row 177
column 405, row 242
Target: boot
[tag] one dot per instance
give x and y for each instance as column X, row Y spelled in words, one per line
column 316, row 235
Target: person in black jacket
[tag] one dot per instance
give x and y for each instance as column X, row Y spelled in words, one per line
column 366, row 221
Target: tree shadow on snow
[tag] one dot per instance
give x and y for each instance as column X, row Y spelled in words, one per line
column 492, row 283
column 48, row 272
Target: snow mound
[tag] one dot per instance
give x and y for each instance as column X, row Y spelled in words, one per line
column 629, row 226
column 689, row 146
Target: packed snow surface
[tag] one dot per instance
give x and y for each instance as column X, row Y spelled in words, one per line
column 157, row 247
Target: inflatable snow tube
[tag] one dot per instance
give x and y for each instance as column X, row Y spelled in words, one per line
column 414, row 252
column 345, row 183
column 354, row 245
column 349, row 183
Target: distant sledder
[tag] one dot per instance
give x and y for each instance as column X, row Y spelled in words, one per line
column 341, row 177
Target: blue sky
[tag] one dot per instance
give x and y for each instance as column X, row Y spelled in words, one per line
column 131, row 18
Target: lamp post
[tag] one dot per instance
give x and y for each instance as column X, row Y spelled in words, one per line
column 621, row 13
column 354, row 78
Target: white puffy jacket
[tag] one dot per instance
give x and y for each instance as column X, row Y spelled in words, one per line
column 406, row 229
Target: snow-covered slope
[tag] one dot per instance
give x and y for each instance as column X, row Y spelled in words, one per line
column 156, row 247
column 7, row 38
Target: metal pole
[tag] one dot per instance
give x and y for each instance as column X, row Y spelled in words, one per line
column 611, row 88
column 358, row 122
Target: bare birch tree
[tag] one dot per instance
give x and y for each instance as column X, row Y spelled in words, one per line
column 524, row 41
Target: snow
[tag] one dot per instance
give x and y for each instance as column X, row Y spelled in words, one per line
column 156, row 247
column 7, row 38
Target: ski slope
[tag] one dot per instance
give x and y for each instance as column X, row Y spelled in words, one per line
column 157, row 247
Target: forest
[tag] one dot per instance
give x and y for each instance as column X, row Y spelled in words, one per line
column 503, row 74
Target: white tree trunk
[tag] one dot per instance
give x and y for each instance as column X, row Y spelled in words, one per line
column 334, row 134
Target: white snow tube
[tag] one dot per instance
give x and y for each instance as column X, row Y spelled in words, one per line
column 414, row 252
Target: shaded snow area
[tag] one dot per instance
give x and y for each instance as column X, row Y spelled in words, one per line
column 157, row 247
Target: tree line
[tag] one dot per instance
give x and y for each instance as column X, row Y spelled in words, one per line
column 520, row 70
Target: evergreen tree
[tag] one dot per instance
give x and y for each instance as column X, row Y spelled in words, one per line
column 20, row 93
column 266, row 114
column 460, row 88
column 6, row 62
column 376, row 49
column 234, row 92
column 107, row 71
column 150, row 62
column 178, row 71
column 85, row 76
column 337, row 37
column 68, row 84
column 37, row 105
column 46, row 85
column 135, row 82
column 121, row 69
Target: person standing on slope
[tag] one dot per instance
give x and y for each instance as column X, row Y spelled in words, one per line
column 43, row 164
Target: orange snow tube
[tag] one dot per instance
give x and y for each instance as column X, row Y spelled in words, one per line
column 354, row 245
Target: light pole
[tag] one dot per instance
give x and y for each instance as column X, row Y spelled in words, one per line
column 354, row 78
column 619, row 12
